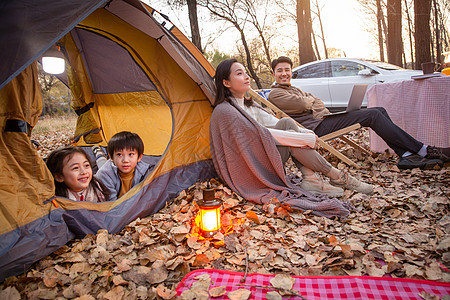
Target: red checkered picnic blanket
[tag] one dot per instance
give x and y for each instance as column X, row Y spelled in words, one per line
column 322, row 287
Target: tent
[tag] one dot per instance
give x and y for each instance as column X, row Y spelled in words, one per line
column 128, row 68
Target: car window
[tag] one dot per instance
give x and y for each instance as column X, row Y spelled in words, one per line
column 386, row 66
column 347, row 68
column 316, row 70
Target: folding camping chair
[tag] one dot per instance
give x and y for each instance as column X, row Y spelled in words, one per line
column 322, row 140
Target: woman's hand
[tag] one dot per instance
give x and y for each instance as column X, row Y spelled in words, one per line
column 316, row 144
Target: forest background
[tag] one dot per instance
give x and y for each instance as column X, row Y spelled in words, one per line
column 402, row 32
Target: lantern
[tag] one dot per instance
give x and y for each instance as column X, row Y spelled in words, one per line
column 209, row 213
column 53, row 60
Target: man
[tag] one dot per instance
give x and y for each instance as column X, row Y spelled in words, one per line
column 309, row 111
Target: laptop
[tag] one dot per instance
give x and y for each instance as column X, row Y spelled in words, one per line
column 356, row 99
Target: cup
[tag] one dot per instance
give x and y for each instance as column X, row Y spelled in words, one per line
column 428, row 67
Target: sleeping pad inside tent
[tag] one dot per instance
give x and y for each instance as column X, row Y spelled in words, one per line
column 126, row 71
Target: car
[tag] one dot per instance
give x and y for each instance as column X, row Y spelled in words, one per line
column 446, row 65
column 332, row 79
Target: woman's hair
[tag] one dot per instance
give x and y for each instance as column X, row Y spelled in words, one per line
column 125, row 140
column 55, row 163
column 223, row 72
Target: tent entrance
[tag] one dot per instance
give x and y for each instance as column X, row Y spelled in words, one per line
column 124, row 96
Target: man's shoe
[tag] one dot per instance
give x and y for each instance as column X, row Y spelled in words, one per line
column 349, row 182
column 416, row 161
column 317, row 186
column 438, row 153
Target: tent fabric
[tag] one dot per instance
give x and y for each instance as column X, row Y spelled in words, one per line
column 319, row 287
column 113, row 69
column 25, row 181
column 30, row 27
column 126, row 72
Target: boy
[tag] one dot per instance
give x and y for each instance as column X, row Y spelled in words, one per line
column 124, row 169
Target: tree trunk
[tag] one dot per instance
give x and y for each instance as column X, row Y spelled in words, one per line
column 321, row 31
column 410, row 33
column 249, row 58
column 380, row 19
column 315, row 47
column 437, row 33
column 193, row 20
column 228, row 13
column 394, row 36
column 304, row 31
column 422, row 34
column 252, row 11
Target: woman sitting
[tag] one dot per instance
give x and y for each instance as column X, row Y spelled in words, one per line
column 250, row 157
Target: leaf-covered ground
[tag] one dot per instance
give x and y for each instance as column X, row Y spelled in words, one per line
column 402, row 230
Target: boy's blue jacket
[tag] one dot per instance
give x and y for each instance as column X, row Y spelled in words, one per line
column 108, row 174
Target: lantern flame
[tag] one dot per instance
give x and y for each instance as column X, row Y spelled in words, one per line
column 210, row 220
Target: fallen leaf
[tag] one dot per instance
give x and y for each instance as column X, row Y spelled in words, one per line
column 357, row 247
column 85, row 297
column 82, row 268
column 424, row 295
column 347, row 250
column 358, row 229
column 51, row 278
column 180, row 232
column 193, row 243
column 273, row 296
column 157, row 275
column 47, row 293
column 332, row 240
column 165, row 293
column 433, row 271
column 174, row 263
column 412, row 270
column 118, row 280
column 10, row 293
column 282, row 281
column 282, row 213
column 196, row 294
column 201, row 260
column 115, row 294
column 203, row 282
column 218, row 291
column 137, row 274
column 240, row 294
column 124, row 265
column 82, row 288
column 251, row 215
column 310, row 260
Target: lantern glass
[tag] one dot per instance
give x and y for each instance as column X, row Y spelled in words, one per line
column 53, row 60
column 210, row 219
column 53, row 65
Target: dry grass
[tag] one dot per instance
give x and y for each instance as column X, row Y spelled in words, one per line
column 53, row 132
column 53, row 124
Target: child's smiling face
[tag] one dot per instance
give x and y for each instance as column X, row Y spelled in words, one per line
column 76, row 172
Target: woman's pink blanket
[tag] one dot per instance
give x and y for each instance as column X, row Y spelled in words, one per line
column 246, row 158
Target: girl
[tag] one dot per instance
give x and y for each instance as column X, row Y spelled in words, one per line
column 72, row 172
column 232, row 82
